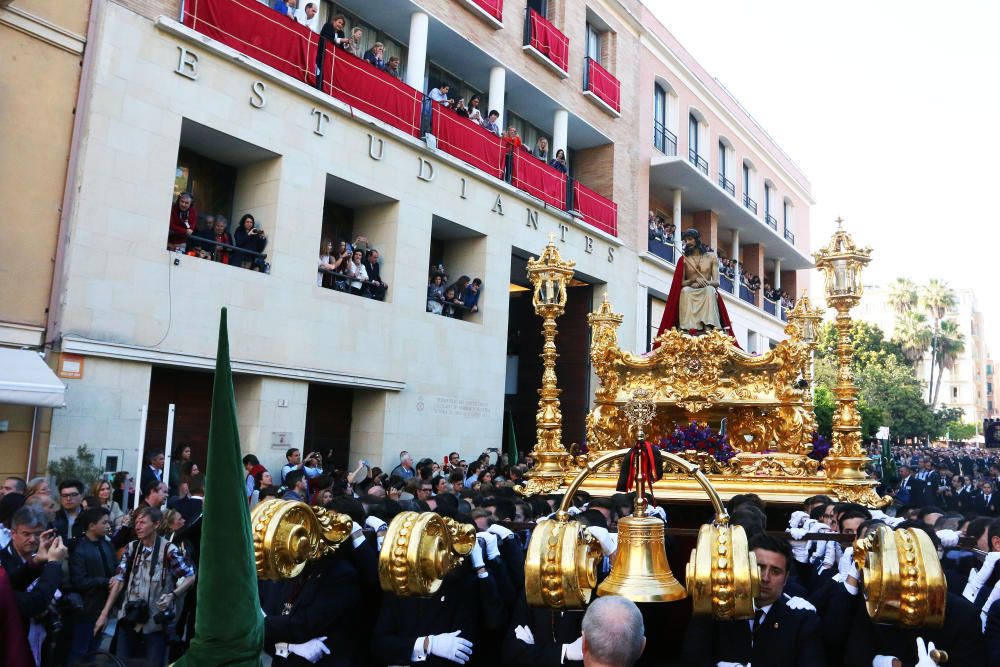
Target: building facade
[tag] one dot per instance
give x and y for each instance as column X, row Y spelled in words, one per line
column 175, row 105
column 965, row 384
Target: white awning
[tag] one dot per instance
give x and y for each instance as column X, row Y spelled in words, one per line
column 25, row 379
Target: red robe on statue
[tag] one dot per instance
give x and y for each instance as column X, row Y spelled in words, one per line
column 671, row 314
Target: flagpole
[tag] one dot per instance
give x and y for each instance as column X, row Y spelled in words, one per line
column 138, row 465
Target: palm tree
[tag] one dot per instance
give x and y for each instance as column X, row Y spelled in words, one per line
column 903, row 296
column 950, row 345
column 937, row 299
column 913, row 333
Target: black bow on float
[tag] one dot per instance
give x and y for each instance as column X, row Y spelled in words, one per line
column 650, row 461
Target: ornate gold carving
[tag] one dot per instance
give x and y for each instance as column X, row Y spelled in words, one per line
column 286, row 535
column 773, row 465
column 862, row 493
column 722, row 576
column 419, row 550
column 560, row 565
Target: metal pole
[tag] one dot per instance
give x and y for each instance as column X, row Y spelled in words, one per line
column 142, row 446
column 168, row 447
column 31, row 444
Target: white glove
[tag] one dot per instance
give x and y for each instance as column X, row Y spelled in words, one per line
column 994, row 596
column 978, row 578
column 846, row 562
column 450, row 646
column 798, row 519
column 523, row 632
column 883, row 661
column 609, row 543
column 312, row 650
column 658, row 512
column 376, row 524
column 949, row 538
column 723, row 663
column 800, row 604
column 797, row 533
column 501, row 532
column 492, row 548
column 924, row 654
column 477, row 557
column 574, row 651
column 572, row 511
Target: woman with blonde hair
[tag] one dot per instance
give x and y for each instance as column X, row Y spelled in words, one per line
column 101, row 489
column 39, row 485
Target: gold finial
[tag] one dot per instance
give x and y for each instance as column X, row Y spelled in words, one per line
column 640, row 410
column 840, row 222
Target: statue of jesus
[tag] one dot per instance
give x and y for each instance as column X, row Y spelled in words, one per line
column 694, row 303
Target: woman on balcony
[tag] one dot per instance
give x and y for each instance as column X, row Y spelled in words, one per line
column 251, row 238
column 475, row 115
column 356, row 273
column 542, row 149
column 559, row 162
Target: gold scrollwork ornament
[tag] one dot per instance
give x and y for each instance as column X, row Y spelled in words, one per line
column 419, row 550
column 288, row 535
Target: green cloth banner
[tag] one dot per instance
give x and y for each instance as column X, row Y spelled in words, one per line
column 229, row 625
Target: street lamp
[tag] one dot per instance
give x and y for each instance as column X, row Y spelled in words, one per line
column 841, row 263
column 807, row 319
column 550, row 275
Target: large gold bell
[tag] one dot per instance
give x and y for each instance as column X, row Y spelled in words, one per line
column 640, row 571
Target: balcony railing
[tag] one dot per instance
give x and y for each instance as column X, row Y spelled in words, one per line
column 789, row 236
column 726, row 282
column 255, row 30
column 746, row 294
column 542, row 36
column 727, row 185
column 698, row 161
column 771, row 221
column 784, row 313
column 750, row 204
column 601, row 83
column 664, row 140
column 662, row 249
column 770, row 307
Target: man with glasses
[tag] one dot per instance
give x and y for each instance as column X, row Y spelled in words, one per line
column 70, row 498
column 33, row 560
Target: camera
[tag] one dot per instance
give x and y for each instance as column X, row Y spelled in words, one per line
column 164, row 617
column 136, row 612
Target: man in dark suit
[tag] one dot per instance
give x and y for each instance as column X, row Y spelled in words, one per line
column 153, row 472
column 70, row 499
column 191, row 505
column 785, row 632
column 375, row 287
column 987, row 502
column 911, row 489
column 91, row 567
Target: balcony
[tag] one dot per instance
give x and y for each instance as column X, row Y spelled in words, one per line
column 491, row 11
column 770, row 307
column 671, row 173
column 747, row 295
column 698, row 161
column 726, row 283
column 749, row 204
column 789, row 236
column 601, row 87
column 727, row 185
column 664, row 140
column 771, row 221
column 250, row 29
column 662, row 249
column 546, row 43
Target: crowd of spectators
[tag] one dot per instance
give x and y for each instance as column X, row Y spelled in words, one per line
column 351, row 267
column 208, row 237
column 660, row 230
column 452, row 299
column 778, row 296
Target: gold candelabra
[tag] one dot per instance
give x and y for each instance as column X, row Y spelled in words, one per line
column 550, row 275
column 807, row 319
column 841, row 262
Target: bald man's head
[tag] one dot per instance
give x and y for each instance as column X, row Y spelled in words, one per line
column 613, row 632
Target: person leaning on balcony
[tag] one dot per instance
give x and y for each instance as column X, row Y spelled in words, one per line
column 542, row 149
column 354, row 43
column 183, row 222
column 376, row 55
column 491, row 122
column 309, row 16
column 559, row 162
column 471, row 296
column 375, row 288
column 392, row 67
column 358, row 276
column 440, row 94
column 511, row 139
column 333, row 32
column 475, row 115
column 219, row 235
column 249, row 237
column 435, row 294
column 460, row 108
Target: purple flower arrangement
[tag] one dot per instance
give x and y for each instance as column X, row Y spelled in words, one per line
column 821, row 447
column 700, row 438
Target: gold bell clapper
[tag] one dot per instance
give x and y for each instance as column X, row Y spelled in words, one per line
column 640, row 571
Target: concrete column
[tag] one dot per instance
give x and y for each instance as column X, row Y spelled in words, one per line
column 736, row 255
column 560, row 128
column 498, row 85
column 777, row 274
column 678, row 223
column 416, row 62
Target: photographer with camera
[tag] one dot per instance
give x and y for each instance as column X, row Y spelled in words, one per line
column 153, row 573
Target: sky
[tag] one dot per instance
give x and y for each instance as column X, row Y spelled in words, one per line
column 889, row 107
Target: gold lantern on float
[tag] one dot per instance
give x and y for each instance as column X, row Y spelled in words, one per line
column 559, row 567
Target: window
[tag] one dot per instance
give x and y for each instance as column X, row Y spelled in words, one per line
column 786, row 215
column 370, row 34
column 954, row 393
column 767, row 199
column 693, row 134
column 746, row 180
column 663, row 140
column 540, row 6
column 594, row 44
column 723, row 165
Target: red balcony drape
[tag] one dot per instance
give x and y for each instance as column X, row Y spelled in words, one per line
column 369, row 89
column 467, row 141
column 538, row 179
column 258, row 31
column 492, row 7
column 597, row 211
column 548, row 41
column 603, row 84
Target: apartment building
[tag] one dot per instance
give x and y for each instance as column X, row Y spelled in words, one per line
column 322, row 146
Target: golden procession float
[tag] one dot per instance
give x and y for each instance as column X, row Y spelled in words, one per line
column 765, row 402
